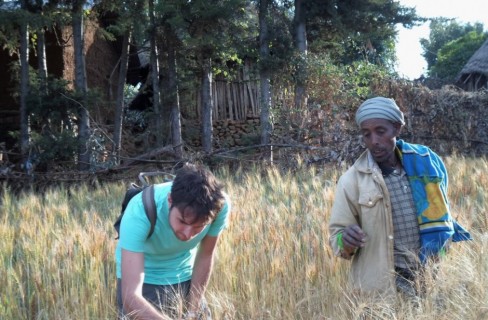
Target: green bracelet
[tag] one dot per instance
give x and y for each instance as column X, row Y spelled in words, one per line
column 340, row 243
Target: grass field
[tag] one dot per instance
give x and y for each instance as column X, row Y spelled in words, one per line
column 273, row 262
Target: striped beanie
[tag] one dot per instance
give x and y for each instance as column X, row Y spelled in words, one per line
column 379, row 108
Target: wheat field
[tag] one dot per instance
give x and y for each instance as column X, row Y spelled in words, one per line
column 273, row 262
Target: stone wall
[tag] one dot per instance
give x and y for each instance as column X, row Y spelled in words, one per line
column 226, row 133
column 448, row 120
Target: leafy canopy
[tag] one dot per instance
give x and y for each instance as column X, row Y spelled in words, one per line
column 454, row 55
column 443, row 31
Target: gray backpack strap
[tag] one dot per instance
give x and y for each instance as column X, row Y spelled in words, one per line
column 150, row 207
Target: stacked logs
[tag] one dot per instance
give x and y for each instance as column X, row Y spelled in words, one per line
column 226, row 133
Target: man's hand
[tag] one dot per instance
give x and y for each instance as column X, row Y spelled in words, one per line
column 353, row 237
column 202, row 270
column 132, row 282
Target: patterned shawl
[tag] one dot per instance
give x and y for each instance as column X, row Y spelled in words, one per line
column 428, row 180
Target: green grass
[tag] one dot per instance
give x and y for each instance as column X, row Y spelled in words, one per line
column 273, row 262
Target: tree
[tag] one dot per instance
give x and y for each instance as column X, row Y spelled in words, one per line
column 41, row 45
column 172, row 100
column 119, row 104
column 264, row 75
column 169, row 19
column 129, row 15
column 452, row 57
column 351, row 30
column 346, row 30
column 208, row 25
column 276, row 50
column 84, row 152
column 154, row 65
column 24, row 84
column 300, row 37
column 443, row 31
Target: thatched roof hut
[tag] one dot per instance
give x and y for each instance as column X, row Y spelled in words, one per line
column 474, row 75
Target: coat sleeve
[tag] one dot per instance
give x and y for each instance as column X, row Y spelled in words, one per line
column 345, row 212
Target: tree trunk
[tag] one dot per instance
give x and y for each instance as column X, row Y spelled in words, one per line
column 41, row 48
column 156, row 98
column 300, row 35
column 84, row 152
column 119, row 106
column 41, row 59
column 24, row 91
column 266, row 127
column 173, row 100
column 206, row 96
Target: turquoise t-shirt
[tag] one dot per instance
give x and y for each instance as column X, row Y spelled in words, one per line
column 167, row 260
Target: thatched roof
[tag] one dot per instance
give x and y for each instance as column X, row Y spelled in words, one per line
column 478, row 63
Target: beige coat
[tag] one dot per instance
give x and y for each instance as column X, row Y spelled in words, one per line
column 362, row 198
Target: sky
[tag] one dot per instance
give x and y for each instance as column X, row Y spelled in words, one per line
column 411, row 64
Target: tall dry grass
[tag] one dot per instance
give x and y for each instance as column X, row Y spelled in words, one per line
column 273, row 262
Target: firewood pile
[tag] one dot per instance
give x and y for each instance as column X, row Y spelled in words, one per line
column 226, row 133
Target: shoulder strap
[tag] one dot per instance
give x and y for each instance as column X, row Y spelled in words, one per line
column 150, row 207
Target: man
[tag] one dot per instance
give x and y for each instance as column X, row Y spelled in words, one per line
column 165, row 275
column 391, row 212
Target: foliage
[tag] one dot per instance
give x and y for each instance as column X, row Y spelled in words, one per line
column 226, row 32
column 135, row 119
column 52, row 113
column 218, row 30
column 120, row 16
column 281, row 49
column 452, row 57
column 361, row 77
column 352, row 30
column 39, row 17
column 335, row 87
column 443, row 31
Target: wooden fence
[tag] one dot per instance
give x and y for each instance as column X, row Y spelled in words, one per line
column 236, row 99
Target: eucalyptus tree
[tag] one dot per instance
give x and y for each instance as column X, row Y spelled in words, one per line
column 167, row 32
column 211, row 26
column 22, row 26
column 300, row 39
column 38, row 10
column 264, row 75
column 24, row 82
column 172, row 98
column 130, row 19
column 80, row 84
column 276, row 50
column 350, row 30
column 119, row 102
column 154, row 66
column 14, row 36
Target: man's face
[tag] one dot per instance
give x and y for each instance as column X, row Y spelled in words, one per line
column 379, row 135
column 184, row 224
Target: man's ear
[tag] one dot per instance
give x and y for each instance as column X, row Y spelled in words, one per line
column 398, row 128
column 170, row 200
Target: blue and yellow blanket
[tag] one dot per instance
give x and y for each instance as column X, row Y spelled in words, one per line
column 429, row 181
